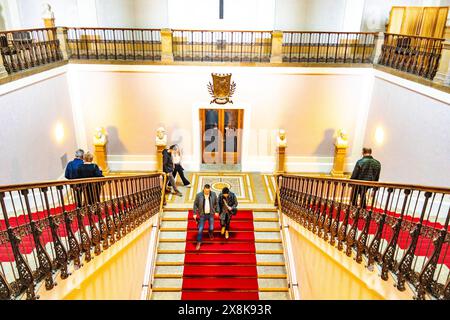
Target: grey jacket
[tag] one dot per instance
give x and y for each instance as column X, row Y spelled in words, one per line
column 199, row 203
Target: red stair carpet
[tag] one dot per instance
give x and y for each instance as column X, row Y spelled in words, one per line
column 223, row 269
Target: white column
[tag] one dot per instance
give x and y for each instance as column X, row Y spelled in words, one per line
column 353, row 15
column 87, row 13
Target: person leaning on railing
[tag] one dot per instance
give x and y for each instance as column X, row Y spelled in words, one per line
column 91, row 170
column 72, row 173
column 367, row 169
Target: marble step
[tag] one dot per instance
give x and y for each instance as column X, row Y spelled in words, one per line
column 182, row 218
column 274, row 295
column 184, row 229
column 263, row 272
column 182, row 246
column 179, row 239
column 262, row 295
column 167, row 295
column 176, row 284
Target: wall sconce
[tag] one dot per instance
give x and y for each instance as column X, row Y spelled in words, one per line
column 379, row 135
column 59, row 132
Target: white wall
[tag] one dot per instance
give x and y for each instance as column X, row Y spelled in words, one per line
column 310, row 103
column 204, row 14
column 416, row 146
column 113, row 13
column 326, row 15
column 30, row 11
column 30, row 110
column 151, row 14
column 132, row 101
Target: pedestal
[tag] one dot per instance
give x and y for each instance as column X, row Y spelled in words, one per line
column 281, row 156
column 100, row 157
column 49, row 23
column 159, row 164
column 62, row 36
column 339, row 161
column 379, row 40
column 443, row 73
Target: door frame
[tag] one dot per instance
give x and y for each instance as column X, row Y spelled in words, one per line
column 221, row 155
column 194, row 162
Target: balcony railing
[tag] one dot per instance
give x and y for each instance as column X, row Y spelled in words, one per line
column 51, row 227
column 402, row 229
column 24, row 49
column 412, row 54
column 222, row 46
column 114, row 44
column 328, row 47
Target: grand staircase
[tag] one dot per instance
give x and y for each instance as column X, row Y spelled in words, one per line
column 248, row 266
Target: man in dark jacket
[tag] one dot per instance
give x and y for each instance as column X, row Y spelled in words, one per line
column 72, row 166
column 366, row 169
column 168, row 167
column 72, row 173
column 227, row 208
column 90, row 170
column 205, row 206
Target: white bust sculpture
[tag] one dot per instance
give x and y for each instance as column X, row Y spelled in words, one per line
column 47, row 12
column 100, row 136
column 341, row 139
column 281, row 138
column 161, row 137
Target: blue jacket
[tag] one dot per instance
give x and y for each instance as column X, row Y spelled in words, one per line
column 72, row 168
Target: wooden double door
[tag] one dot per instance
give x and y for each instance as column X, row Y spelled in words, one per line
column 221, row 135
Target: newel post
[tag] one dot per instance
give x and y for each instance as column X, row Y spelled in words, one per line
column 277, row 47
column 61, row 34
column 166, row 45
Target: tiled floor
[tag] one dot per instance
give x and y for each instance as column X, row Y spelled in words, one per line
column 251, row 187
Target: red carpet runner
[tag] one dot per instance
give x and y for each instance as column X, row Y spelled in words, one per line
column 222, row 269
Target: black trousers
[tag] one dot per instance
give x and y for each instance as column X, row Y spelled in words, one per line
column 225, row 219
column 179, row 169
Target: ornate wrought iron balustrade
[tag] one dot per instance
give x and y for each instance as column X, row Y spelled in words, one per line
column 328, row 47
column 403, row 230
column 27, row 48
column 53, row 227
column 114, row 44
column 412, row 54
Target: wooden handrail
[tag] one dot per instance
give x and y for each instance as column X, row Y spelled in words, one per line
column 27, row 30
column 413, row 36
column 108, row 28
column 219, row 30
column 377, row 184
column 53, row 183
column 335, row 32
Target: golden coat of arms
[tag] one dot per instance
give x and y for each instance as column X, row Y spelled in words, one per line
column 222, row 88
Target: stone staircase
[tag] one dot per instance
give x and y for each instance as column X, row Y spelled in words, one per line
column 271, row 269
